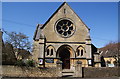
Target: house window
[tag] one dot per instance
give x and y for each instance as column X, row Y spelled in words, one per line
column 47, row 51
column 64, row 11
column 65, row 27
column 51, row 51
column 81, row 52
column 78, row 53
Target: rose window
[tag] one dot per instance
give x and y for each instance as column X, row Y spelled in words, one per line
column 65, row 28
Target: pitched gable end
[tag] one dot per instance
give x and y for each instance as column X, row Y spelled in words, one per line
column 61, row 6
column 53, row 15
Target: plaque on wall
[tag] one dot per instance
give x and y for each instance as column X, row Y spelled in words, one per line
column 40, row 61
column 89, row 62
column 49, row 60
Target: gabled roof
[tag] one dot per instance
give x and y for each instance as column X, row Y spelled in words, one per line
column 40, row 26
column 37, row 32
column 110, row 50
column 52, row 15
column 24, row 53
column 57, row 11
column 94, row 49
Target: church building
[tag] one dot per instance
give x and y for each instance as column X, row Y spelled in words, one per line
column 64, row 37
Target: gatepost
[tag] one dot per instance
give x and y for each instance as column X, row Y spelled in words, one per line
column 78, row 69
column 59, row 68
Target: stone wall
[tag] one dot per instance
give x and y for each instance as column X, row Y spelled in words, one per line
column 14, row 71
column 92, row 72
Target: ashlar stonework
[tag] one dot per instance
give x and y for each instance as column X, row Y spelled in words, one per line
column 64, row 37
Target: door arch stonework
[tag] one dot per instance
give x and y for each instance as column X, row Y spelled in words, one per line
column 64, row 53
column 72, row 52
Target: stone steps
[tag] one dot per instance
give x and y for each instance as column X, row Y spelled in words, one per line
column 67, row 73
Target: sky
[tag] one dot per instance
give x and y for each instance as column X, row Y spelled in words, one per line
column 100, row 17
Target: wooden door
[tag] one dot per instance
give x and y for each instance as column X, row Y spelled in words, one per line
column 66, row 63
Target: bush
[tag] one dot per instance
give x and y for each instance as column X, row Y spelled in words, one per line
column 117, row 63
column 30, row 63
column 19, row 63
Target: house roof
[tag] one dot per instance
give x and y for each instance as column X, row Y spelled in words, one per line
column 37, row 33
column 94, row 49
column 24, row 53
column 110, row 50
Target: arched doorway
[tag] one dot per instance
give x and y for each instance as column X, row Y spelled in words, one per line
column 64, row 53
column 65, row 58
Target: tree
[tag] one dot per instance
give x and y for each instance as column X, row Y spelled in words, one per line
column 8, row 55
column 18, row 40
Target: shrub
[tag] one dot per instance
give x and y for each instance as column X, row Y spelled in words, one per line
column 30, row 63
column 117, row 63
column 19, row 63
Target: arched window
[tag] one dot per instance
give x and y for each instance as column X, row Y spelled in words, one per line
column 81, row 52
column 47, row 51
column 78, row 52
column 51, row 51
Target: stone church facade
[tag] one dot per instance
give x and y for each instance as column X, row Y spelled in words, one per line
column 64, row 37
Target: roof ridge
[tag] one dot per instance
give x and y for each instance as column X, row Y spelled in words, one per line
column 53, row 14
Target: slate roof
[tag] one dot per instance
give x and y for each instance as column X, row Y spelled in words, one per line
column 37, row 33
column 24, row 53
column 110, row 50
column 94, row 49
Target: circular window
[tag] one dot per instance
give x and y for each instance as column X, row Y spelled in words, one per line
column 65, row 28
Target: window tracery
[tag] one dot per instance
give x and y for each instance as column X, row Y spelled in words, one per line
column 65, row 28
